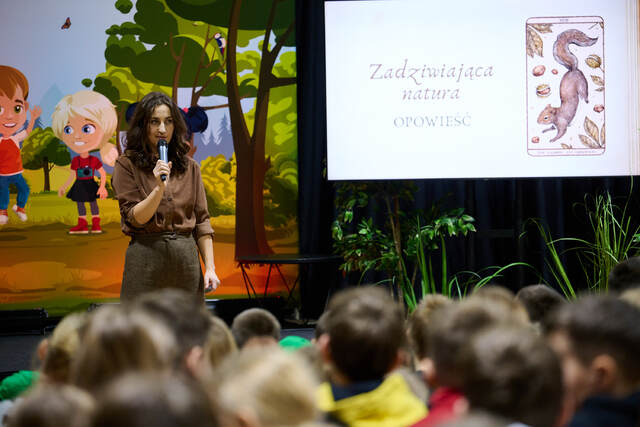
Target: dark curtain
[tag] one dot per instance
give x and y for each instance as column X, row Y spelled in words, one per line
column 500, row 206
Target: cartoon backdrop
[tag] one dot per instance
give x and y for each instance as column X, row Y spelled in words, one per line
column 231, row 62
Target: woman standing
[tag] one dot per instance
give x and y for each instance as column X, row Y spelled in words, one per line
column 167, row 220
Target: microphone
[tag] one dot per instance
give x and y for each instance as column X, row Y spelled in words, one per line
column 163, row 151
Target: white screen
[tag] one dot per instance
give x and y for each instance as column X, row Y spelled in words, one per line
column 383, row 58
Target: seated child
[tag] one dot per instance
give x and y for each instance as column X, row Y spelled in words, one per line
column 255, row 326
column 418, row 326
column 116, row 341
column 363, row 344
column 52, row 405
column 539, row 300
column 598, row 341
column 625, row 275
column 144, row 400
column 264, row 387
column 220, row 342
column 512, row 372
column 186, row 316
column 452, row 327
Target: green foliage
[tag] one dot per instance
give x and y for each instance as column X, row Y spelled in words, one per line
column 41, row 144
column 402, row 243
column 280, row 198
column 423, row 240
column 218, row 176
column 404, row 246
column 124, row 6
column 87, row 82
column 615, row 236
column 156, row 26
column 253, row 14
column 120, row 86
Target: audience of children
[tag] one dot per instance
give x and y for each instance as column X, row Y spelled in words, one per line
column 164, row 360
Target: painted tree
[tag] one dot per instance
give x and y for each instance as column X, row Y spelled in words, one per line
column 181, row 54
column 161, row 51
column 224, row 137
column 271, row 18
column 42, row 150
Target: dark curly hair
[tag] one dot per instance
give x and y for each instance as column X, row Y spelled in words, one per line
column 137, row 141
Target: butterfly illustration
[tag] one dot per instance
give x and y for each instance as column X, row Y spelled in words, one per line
column 67, row 24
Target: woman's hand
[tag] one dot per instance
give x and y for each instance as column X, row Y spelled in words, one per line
column 162, row 168
column 211, row 281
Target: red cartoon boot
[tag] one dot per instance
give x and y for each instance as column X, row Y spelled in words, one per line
column 95, row 225
column 81, row 228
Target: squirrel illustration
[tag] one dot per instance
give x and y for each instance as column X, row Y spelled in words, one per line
column 573, row 85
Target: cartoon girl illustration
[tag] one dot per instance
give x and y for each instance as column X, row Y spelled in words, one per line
column 85, row 121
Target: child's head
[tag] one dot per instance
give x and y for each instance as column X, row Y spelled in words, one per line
column 187, row 317
column 625, row 275
column 419, row 322
column 50, row 405
column 265, row 387
column 255, row 326
column 61, row 348
column 220, row 342
column 598, row 341
column 118, row 340
column 138, row 400
column 454, row 326
column 512, row 372
column 496, row 294
column 85, row 121
column 365, row 333
column 14, row 90
column 539, row 300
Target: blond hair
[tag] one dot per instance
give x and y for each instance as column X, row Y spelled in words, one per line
column 220, row 342
column 62, row 347
column 276, row 386
column 93, row 106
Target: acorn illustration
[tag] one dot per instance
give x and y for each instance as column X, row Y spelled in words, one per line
column 543, row 90
column 538, row 70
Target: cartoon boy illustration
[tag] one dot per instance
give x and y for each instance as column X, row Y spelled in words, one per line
column 85, row 121
column 14, row 90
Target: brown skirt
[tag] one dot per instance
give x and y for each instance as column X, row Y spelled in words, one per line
column 161, row 260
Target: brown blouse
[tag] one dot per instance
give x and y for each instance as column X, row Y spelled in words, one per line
column 183, row 208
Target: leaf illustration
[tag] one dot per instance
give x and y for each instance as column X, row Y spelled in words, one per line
column 602, row 136
column 566, row 146
column 600, row 89
column 534, row 42
column 588, row 142
column 542, row 28
column 597, row 80
column 592, row 129
column 593, row 61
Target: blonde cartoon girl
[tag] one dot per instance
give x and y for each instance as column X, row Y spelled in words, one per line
column 85, row 121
